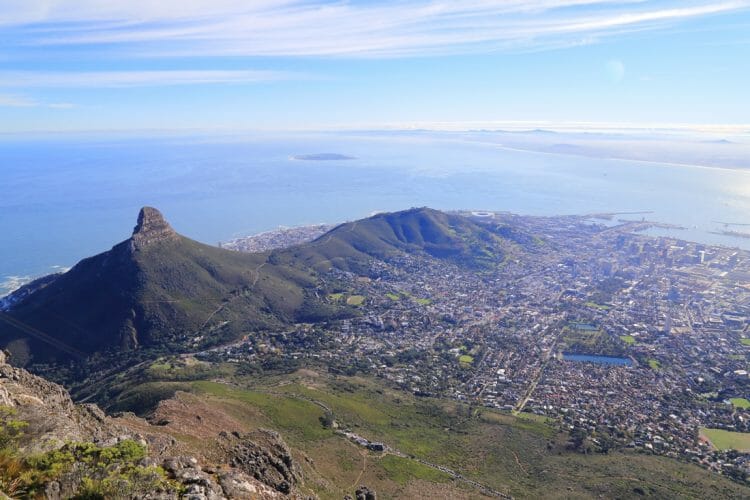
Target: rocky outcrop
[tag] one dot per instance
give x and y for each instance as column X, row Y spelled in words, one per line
column 262, row 464
column 363, row 493
column 52, row 416
column 151, row 228
column 264, row 455
column 206, row 483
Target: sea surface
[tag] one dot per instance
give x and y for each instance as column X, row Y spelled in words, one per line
column 66, row 197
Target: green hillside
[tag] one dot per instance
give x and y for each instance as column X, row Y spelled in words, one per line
column 383, row 236
column 522, row 456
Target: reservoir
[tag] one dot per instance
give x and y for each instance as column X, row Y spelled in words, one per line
column 602, row 360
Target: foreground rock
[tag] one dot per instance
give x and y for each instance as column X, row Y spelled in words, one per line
column 261, row 464
column 53, row 419
column 202, row 485
column 264, row 455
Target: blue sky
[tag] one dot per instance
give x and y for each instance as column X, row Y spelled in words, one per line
column 277, row 64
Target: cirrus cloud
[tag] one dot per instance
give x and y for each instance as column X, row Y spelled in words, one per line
column 325, row 28
column 148, row 78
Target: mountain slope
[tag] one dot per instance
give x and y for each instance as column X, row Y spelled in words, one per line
column 418, row 230
column 162, row 290
column 155, row 289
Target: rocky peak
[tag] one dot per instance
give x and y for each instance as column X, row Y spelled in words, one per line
column 151, row 228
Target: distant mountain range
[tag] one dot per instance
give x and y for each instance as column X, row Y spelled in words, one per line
column 160, row 289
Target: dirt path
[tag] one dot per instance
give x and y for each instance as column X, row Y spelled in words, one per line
column 225, row 304
column 362, row 472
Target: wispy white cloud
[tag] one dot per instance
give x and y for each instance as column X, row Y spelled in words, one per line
column 333, row 28
column 22, row 101
column 118, row 79
column 61, row 105
column 16, row 101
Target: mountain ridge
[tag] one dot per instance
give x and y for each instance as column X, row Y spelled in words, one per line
column 159, row 289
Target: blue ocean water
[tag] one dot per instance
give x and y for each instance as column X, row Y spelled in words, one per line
column 64, row 198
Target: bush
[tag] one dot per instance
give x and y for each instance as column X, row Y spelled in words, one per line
column 96, row 472
column 11, row 429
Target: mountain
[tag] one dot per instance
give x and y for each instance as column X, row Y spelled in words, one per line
column 384, row 236
column 159, row 289
column 156, row 288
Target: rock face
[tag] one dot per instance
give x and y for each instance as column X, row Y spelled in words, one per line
column 363, row 493
column 52, row 416
column 201, row 485
column 264, row 455
column 265, row 469
column 151, row 228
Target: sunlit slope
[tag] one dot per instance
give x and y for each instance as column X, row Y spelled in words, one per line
column 385, row 236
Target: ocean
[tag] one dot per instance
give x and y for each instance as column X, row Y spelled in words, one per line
column 63, row 198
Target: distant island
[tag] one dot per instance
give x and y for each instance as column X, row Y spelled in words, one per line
column 323, row 157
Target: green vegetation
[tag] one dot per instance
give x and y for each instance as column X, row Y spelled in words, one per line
column 534, row 417
column 654, row 364
column 589, row 339
column 186, row 369
column 11, row 428
column 520, row 455
column 105, row 472
column 423, row 302
column 628, row 339
column 404, row 470
column 727, row 440
column 447, row 236
column 745, row 341
column 144, row 397
column 298, row 417
column 740, row 403
column 466, row 359
column 393, row 296
column 335, row 296
column 95, row 472
column 355, row 300
column 605, row 290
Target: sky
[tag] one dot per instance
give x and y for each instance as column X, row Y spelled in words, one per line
column 102, row 65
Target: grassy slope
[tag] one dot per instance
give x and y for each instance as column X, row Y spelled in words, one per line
column 442, row 235
column 519, row 455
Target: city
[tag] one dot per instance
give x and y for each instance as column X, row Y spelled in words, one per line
column 660, row 323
